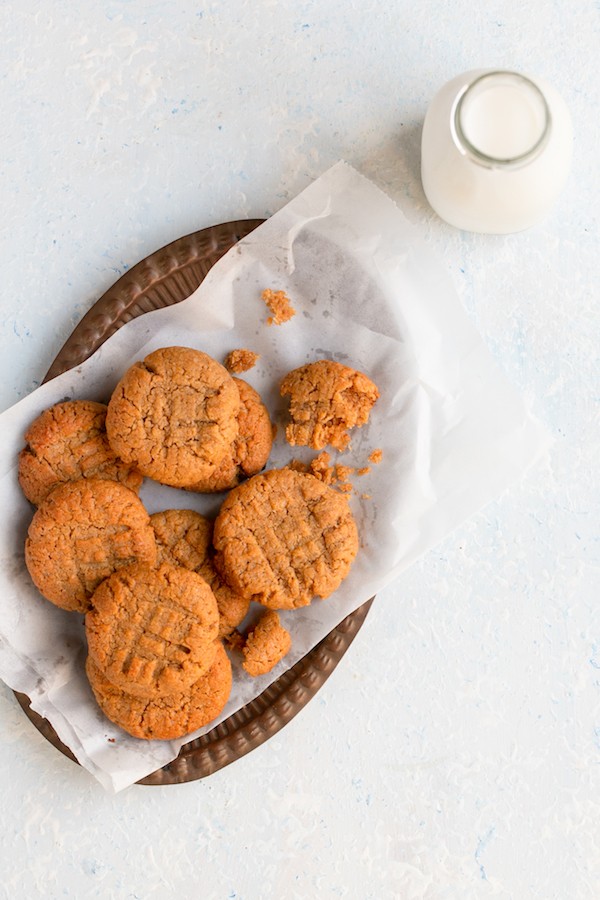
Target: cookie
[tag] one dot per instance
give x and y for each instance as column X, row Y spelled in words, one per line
column 251, row 448
column 66, row 442
column 174, row 416
column 326, row 399
column 283, row 538
column 153, row 632
column 266, row 645
column 170, row 716
column 184, row 538
column 80, row 534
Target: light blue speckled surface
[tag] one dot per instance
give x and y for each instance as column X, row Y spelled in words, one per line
column 455, row 753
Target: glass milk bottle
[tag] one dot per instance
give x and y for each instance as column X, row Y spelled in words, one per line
column 496, row 151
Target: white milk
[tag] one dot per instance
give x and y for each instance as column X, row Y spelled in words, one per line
column 496, row 151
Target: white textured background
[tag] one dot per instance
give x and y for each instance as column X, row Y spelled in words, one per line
column 455, row 752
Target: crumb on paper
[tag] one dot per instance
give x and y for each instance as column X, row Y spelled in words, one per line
column 337, row 475
column 279, row 304
column 320, row 468
column 240, row 360
column 376, row 456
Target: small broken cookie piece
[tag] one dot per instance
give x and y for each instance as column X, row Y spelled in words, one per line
column 279, row 304
column 326, row 400
column 241, row 360
column 320, row 467
column 266, row 645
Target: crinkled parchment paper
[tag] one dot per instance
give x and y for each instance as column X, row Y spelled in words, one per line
column 367, row 292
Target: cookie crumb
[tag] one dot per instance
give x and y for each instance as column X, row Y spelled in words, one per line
column 240, row 360
column 364, row 470
column 266, row 645
column 320, row 468
column 376, row 456
column 279, row 304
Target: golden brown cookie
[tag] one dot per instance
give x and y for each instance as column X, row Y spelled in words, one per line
column 266, row 645
column 80, row 534
column 174, row 416
column 326, row 399
column 284, row 537
column 250, row 449
column 165, row 717
column 184, row 538
column 66, row 442
column 153, row 631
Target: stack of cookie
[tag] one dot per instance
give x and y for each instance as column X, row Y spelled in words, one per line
column 155, row 663
column 161, row 593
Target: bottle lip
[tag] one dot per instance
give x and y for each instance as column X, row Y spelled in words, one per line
column 465, row 146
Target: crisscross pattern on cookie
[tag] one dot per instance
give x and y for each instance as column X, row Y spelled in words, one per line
column 153, row 631
column 168, row 716
column 80, row 534
column 284, row 537
column 68, row 441
column 174, row 415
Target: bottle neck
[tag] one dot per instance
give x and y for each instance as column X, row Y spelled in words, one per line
column 501, row 120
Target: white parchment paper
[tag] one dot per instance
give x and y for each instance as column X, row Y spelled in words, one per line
column 367, row 292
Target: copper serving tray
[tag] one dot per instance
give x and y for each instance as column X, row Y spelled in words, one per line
column 166, row 277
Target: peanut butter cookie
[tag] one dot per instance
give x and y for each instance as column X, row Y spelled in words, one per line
column 266, row 645
column 66, row 442
column 326, row 399
column 80, row 534
column 153, row 632
column 283, row 538
column 251, row 448
column 184, row 538
column 174, row 416
column 169, row 716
